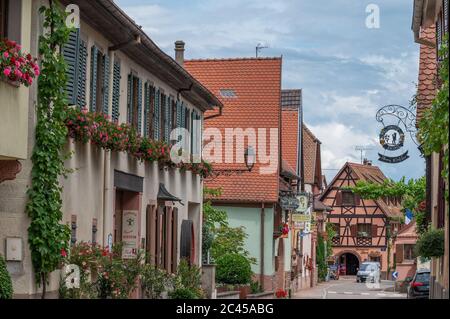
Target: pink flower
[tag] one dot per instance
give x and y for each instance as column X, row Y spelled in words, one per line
column 18, row 73
column 7, row 71
column 37, row 71
column 17, row 63
column 63, row 253
column 6, row 55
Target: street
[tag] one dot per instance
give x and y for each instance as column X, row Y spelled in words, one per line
column 348, row 288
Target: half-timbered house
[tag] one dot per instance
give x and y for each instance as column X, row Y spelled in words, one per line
column 361, row 225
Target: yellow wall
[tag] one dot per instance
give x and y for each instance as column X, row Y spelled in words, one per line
column 14, row 103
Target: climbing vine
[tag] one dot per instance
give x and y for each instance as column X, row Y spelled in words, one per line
column 433, row 128
column 47, row 237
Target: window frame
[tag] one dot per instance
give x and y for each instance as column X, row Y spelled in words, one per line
column 348, row 203
column 408, row 254
column 368, row 230
column 4, row 14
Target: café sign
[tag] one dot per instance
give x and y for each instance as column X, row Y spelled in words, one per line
column 130, row 234
column 289, row 202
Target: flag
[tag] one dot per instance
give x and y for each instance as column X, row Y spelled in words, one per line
column 408, row 216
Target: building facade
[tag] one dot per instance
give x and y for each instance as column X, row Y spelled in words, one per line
column 430, row 26
column 361, row 225
column 116, row 70
column 250, row 89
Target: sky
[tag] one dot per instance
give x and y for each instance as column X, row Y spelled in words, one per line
column 346, row 70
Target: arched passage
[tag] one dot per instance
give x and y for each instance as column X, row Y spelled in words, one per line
column 349, row 263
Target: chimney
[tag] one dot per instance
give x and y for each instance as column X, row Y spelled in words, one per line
column 367, row 162
column 179, row 52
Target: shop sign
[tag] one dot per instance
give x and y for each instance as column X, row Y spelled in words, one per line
column 289, row 202
column 303, row 202
column 130, row 234
column 301, row 218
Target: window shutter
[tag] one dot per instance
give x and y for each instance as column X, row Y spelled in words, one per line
column 139, row 107
column 353, row 230
column 70, row 53
column 168, row 243
column 179, row 114
column 399, row 253
column 106, row 78
column 130, row 99
column 156, row 122
column 174, row 239
column 183, row 115
column 94, row 62
column 116, row 91
column 82, row 73
column 146, row 108
column 357, row 200
column 170, row 119
column 338, row 198
column 374, row 230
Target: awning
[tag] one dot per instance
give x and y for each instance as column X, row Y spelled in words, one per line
column 163, row 194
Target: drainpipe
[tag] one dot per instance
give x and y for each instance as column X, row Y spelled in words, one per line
column 262, row 247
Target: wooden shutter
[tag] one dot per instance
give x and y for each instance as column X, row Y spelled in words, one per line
column 106, row 79
column 374, row 231
column 130, row 99
column 338, row 198
column 354, row 230
column 168, row 118
column 70, row 53
column 156, row 122
column 82, row 74
column 357, row 200
column 150, row 240
column 183, row 115
column 146, row 108
column 168, row 241
column 399, row 253
column 116, row 91
column 179, row 121
column 94, row 64
column 174, row 239
column 139, row 106
column 159, row 237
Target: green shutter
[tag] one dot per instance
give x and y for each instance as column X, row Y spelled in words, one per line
column 139, row 107
column 130, row 99
column 167, row 117
column 70, row 54
column 94, row 62
column 146, row 108
column 106, row 79
column 116, row 91
column 156, row 123
column 183, row 115
column 82, row 73
column 178, row 114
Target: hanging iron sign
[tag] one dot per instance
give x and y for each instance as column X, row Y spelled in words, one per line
column 396, row 120
column 289, row 202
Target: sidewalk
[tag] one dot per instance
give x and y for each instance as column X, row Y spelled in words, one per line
column 317, row 292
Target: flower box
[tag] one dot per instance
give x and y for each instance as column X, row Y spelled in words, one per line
column 16, row 67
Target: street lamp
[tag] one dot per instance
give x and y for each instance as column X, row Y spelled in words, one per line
column 250, row 161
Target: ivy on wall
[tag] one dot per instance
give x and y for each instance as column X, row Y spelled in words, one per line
column 433, row 128
column 47, row 237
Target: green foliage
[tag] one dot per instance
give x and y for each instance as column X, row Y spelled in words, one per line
column 321, row 258
column 6, row 289
column 154, row 281
column 412, row 194
column 431, row 244
column 255, row 287
column 183, row 293
column 47, row 237
column 218, row 237
column 233, row 269
column 433, row 128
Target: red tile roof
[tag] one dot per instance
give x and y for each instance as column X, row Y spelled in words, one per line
column 257, row 85
column 312, row 161
column 289, row 136
column 426, row 90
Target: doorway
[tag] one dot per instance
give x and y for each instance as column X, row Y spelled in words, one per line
column 349, row 264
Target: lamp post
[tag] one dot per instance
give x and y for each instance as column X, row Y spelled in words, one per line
column 250, row 161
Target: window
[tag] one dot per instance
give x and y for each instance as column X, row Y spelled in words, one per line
column 348, row 198
column 364, row 230
column 408, row 252
column 134, row 105
column 99, row 81
column 227, row 93
column 3, row 18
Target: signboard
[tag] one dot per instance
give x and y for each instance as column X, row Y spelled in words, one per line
column 301, row 218
column 395, row 275
column 289, row 202
column 130, row 234
column 303, row 202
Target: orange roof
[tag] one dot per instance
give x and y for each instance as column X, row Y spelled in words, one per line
column 426, row 90
column 289, row 136
column 256, row 84
column 311, row 153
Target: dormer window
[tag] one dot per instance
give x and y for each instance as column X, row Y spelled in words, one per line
column 227, row 93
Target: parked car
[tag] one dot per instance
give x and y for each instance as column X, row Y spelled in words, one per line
column 419, row 285
column 369, row 271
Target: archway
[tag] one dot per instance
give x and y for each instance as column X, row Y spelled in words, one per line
column 349, row 264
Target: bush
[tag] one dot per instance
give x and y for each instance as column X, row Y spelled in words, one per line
column 6, row 289
column 431, row 244
column 154, row 281
column 255, row 287
column 233, row 269
column 183, row 293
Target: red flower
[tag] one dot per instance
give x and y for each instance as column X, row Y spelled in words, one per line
column 63, row 253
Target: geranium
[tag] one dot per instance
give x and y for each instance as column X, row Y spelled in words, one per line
column 281, row 294
column 284, row 229
column 15, row 65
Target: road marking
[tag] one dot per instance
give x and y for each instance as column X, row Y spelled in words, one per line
column 332, row 292
column 348, row 293
column 382, row 295
column 365, row 294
